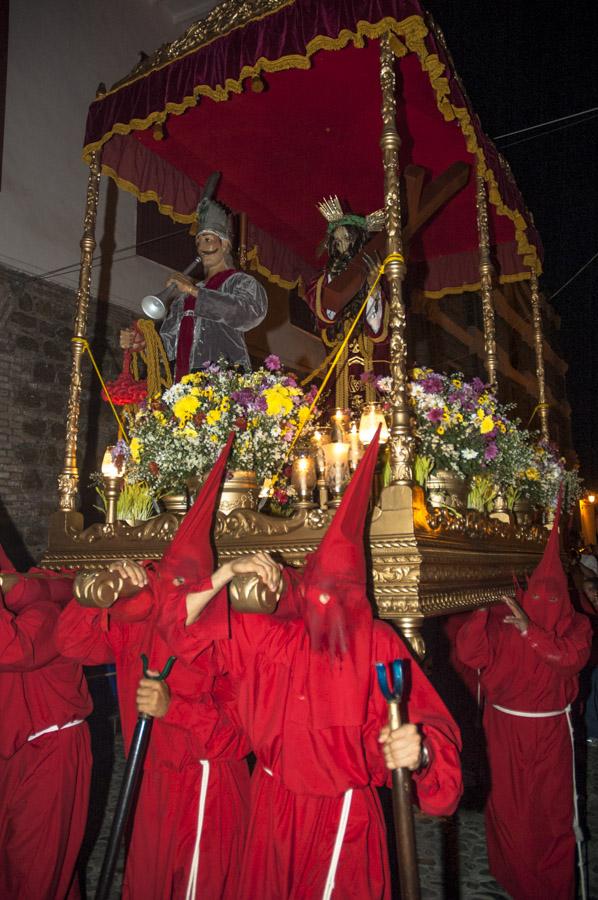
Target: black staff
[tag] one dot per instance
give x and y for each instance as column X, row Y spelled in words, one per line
column 401, row 788
column 129, row 786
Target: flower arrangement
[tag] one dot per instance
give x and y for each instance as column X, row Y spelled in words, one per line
column 458, row 423
column 180, row 433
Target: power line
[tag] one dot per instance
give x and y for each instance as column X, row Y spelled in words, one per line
column 74, row 267
column 531, row 137
column 543, row 124
column 573, row 277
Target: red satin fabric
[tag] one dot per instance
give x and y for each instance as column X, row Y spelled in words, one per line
column 44, row 784
column 185, row 339
column 195, row 727
column 312, row 767
column 187, row 327
column 44, row 793
column 529, row 813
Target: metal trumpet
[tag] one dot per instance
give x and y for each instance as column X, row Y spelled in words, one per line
column 155, row 306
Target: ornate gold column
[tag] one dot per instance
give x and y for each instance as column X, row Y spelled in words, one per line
column 539, row 348
column 400, row 430
column 68, row 479
column 486, row 281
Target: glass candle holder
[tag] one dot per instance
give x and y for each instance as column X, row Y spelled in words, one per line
column 319, row 439
column 337, row 469
column 303, row 478
column 339, row 424
column 371, row 417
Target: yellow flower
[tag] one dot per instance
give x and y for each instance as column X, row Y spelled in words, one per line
column 480, row 413
column 501, row 427
column 532, row 474
column 417, row 374
column 440, row 430
column 214, row 438
column 189, row 431
column 159, row 417
column 278, row 400
column 135, row 447
column 303, row 414
column 457, row 383
column 185, row 408
column 213, row 416
column 190, row 379
column 458, row 417
column 486, row 425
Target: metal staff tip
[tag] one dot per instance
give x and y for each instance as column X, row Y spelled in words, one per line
column 394, row 692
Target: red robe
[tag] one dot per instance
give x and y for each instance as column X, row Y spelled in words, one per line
column 195, row 728
column 529, row 813
column 306, row 762
column 44, row 782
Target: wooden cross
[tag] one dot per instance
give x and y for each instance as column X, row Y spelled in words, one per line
column 422, row 204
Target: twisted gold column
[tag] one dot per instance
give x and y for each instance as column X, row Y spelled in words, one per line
column 68, row 479
column 486, row 281
column 539, row 348
column 400, row 430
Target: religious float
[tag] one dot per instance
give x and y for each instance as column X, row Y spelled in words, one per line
column 294, row 101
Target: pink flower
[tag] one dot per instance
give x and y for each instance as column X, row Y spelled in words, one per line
column 272, row 362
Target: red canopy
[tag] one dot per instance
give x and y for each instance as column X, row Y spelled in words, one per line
column 314, row 131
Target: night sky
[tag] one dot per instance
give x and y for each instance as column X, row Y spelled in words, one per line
column 524, row 62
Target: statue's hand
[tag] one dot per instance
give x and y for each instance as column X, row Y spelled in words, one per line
column 131, row 339
column 372, row 267
column 183, row 283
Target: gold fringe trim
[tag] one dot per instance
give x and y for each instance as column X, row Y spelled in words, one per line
column 235, row 85
column 467, row 288
column 413, row 31
column 257, row 266
column 435, row 69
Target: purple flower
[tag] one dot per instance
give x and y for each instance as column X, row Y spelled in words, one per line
column 478, row 385
column 244, row 397
column 434, row 415
column 289, row 381
column 260, row 404
column 272, row 362
column 433, row 384
column 367, row 378
column 490, row 452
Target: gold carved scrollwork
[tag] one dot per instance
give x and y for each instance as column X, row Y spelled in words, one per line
column 224, row 18
column 539, row 350
column 69, row 478
column 402, row 444
column 486, row 281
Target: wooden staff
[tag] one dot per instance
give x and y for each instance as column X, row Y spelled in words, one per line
column 401, row 788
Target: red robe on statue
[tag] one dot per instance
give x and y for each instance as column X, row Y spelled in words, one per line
column 45, row 757
column 194, row 729
column 306, row 764
column 530, row 809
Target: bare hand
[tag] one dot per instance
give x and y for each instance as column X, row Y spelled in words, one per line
column 402, row 748
column 519, row 619
column 132, row 575
column 183, row 283
column 153, row 697
column 260, row 564
column 131, row 339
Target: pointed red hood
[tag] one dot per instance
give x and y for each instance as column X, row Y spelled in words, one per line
column 190, row 555
column 6, row 564
column 546, row 598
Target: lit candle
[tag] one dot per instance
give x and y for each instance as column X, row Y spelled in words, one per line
column 337, row 466
column 355, row 447
column 303, row 477
column 371, row 417
column 339, row 422
column 109, row 469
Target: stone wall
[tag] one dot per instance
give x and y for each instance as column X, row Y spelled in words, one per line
column 35, row 330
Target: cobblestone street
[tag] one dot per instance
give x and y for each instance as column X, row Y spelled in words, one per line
column 451, row 852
